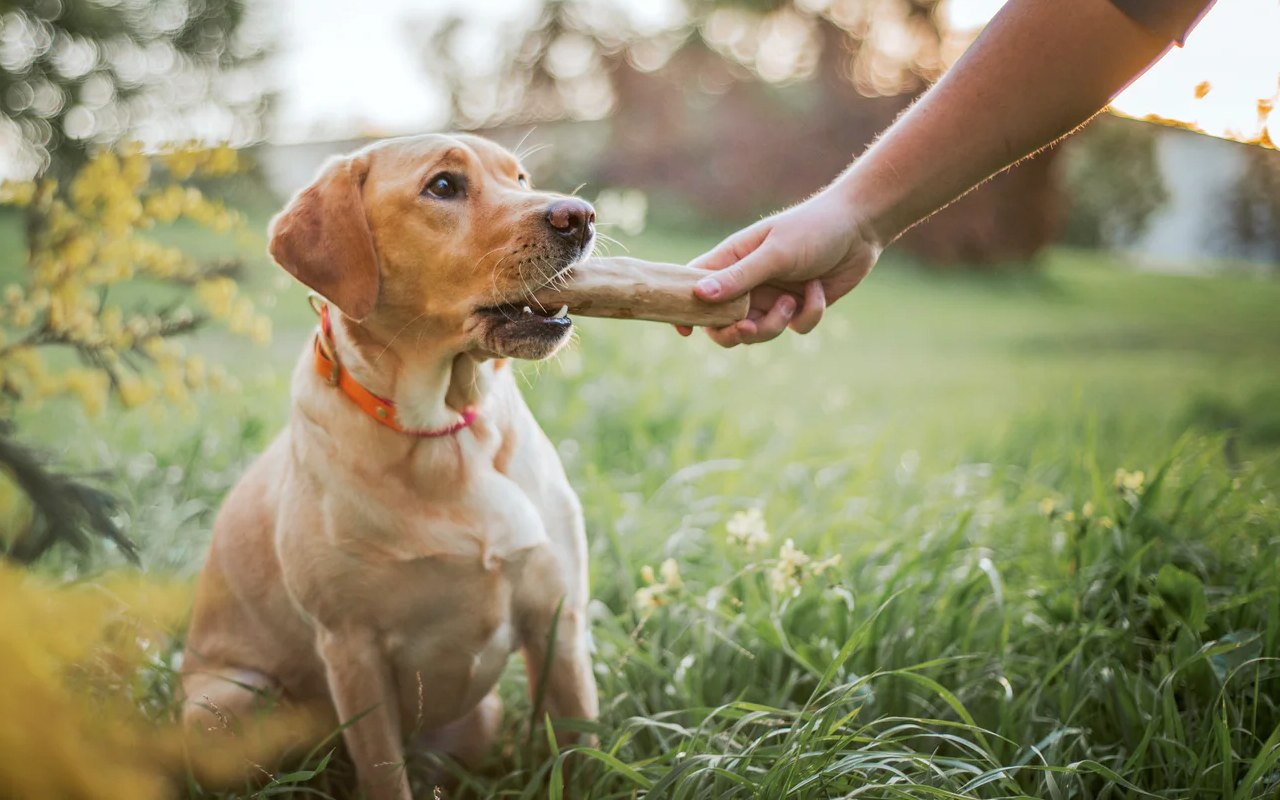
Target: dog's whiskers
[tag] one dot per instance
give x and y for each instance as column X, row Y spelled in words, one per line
column 523, row 139
column 537, row 148
column 605, row 238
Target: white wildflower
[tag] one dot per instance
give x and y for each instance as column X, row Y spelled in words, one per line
column 657, row 592
column 747, row 528
column 670, row 572
column 1133, row 481
column 646, row 600
column 785, row 577
column 819, row 567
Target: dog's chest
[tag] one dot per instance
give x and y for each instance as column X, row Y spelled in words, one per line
column 453, row 627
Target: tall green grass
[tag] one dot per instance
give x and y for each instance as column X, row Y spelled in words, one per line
column 1005, row 620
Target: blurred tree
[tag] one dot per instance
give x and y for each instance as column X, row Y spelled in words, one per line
column 1253, row 208
column 75, row 73
column 738, row 106
column 88, row 239
column 75, row 77
column 1114, row 182
column 559, row 67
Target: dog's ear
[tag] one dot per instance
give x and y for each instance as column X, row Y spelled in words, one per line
column 323, row 239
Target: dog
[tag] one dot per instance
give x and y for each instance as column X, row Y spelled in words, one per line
column 412, row 526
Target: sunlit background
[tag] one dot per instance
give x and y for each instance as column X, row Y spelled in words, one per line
column 644, row 103
column 341, row 72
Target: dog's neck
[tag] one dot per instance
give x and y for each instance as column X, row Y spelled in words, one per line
column 431, row 383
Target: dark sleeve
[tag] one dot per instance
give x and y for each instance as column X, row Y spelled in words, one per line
column 1172, row 19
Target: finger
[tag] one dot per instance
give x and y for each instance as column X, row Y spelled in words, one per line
column 774, row 322
column 748, row 273
column 683, row 330
column 733, row 248
column 732, row 335
column 815, row 302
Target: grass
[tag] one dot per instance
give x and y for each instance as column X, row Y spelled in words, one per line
column 1004, row 621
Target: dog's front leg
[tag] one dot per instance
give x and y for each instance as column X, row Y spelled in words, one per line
column 567, row 686
column 363, row 690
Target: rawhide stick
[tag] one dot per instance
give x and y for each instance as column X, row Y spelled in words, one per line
column 631, row 288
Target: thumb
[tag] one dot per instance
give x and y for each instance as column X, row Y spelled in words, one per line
column 752, row 270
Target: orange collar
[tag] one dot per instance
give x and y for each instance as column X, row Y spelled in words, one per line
column 380, row 409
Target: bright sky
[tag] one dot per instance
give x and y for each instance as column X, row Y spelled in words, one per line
column 1234, row 50
column 351, row 68
column 347, row 68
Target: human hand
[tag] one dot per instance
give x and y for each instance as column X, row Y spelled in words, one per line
column 794, row 264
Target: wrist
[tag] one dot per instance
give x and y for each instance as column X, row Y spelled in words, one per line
column 874, row 203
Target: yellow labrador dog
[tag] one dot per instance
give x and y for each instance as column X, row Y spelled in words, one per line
column 412, row 526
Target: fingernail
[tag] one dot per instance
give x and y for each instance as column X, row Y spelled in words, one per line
column 787, row 307
column 709, row 287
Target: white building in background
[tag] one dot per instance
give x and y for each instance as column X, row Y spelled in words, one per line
column 1192, row 232
column 289, row 167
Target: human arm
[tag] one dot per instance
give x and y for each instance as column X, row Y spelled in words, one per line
column 1039, row 70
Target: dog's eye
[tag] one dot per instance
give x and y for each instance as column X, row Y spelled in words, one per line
column 523, row 180
column 443, row 186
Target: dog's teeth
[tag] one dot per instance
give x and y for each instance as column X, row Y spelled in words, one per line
column 528, row 310
column 563, row 312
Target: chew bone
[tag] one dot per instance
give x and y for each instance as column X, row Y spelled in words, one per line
column 629, row 288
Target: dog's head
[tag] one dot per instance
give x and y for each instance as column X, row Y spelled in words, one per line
column 445, row 232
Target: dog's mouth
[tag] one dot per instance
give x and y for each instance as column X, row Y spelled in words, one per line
column 527, row 319
column 524, row 329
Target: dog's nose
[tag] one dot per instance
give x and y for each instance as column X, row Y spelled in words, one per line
column 572, row 218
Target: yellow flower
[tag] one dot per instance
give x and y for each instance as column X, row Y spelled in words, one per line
column 218, row 295
column 222, row 160
column 175, row 388
column 154, row 347
column 89, row 387
column 75, row 654
column 133, row 391
column 261, row 331
column 182, row 163
column 196, row 372
column 1087, row 510
column 17, row 193
column 24, row 315
column 93, row 235
column 1048, row 506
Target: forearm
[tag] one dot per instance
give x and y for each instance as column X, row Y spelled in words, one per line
column 1039, row 70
